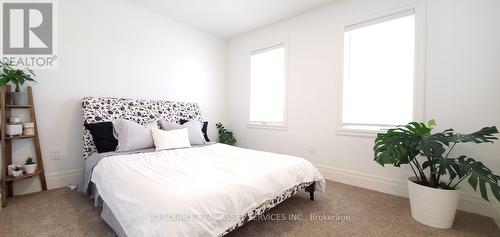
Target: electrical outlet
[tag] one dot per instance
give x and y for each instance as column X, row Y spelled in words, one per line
column 55, row 154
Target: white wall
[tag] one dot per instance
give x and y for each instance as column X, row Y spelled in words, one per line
column 462, row 88
column 115, row 48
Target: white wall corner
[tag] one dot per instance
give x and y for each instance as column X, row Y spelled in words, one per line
column 468, row 202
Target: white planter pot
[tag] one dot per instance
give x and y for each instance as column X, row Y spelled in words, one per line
column 30, row 169
column 431, row 206
column 19, row 98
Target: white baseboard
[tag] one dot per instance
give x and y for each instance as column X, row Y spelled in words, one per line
column 469, row 202
column 54, row 180
column 63, row 178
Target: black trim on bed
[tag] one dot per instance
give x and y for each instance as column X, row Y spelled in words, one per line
column 266, row 206
column 310, row 189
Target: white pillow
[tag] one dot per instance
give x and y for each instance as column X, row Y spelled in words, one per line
column 194, row 130
column 167, row 125
column 132, row 136
column 177, row 138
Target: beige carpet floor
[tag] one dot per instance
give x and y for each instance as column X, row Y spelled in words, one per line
column 351, row 211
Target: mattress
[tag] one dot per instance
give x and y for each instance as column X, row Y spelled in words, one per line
column 201, row 191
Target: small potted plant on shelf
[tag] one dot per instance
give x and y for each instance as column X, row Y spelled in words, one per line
column 17, row 77
column 29, row 166
column 438, row 171
column 225, row 136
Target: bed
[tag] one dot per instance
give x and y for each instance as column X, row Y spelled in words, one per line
column 204, row 190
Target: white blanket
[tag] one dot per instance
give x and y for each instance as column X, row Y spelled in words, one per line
column 195, row 191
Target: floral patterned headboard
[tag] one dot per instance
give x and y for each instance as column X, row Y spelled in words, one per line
column 101, row 109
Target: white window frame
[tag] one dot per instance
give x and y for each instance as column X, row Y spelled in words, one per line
column 418, row 87
column 271, row 125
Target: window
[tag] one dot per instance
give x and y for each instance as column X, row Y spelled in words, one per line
column 267, row 86
column 379, row 72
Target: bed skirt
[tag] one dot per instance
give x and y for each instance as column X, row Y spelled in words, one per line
column 110, row 219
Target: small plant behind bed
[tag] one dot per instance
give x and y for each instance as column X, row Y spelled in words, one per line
column 225, row 136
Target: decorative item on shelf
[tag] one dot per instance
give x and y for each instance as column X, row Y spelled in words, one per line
column 13, row 129
column 433, row 199
column 14, row 120
column 29, row 166
column 15, row 170
column 225, row 136
column 17, row 77
column 10, row 168
column 29, row 129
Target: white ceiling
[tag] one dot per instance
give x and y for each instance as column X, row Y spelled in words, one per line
column 230, row 18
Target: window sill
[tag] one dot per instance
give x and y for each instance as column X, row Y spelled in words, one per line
column 357, row 132
column 270, row 126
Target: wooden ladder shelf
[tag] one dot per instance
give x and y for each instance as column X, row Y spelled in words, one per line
column 6, row 143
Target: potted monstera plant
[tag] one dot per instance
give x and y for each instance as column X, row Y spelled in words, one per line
column 17, row 77
column 438, row 170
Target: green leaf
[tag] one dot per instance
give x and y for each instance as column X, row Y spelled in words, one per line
column 480, row 174
column 428, row 163
column 485, row 135
column 445, row 166
column 473, row 182
column 496, row 191
column 484, row 192
column 399, row 146
column 15, row 76
column 431, row 123
column 392, row 149
column 225, row 136
column 3, row 80
column 459, row 168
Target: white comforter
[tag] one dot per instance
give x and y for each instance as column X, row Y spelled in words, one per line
column 195, row 191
